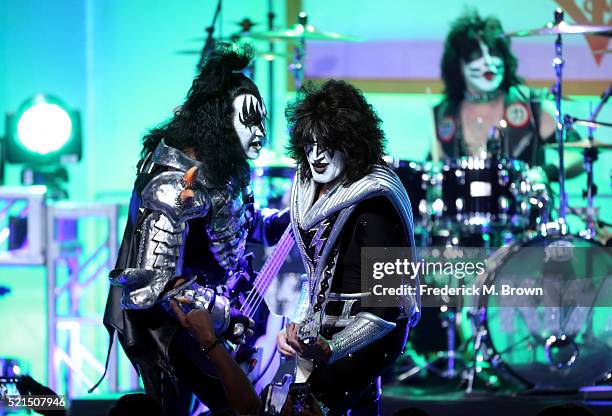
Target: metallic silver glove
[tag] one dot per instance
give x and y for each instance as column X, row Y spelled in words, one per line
column 201, row 297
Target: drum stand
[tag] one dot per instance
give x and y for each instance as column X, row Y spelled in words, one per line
column 483, row 354
column 590, row 157
column 479, row 318
column 558, row 63
column 448, row 321
column 448, row 373
column 557, row 227
column 299, row 51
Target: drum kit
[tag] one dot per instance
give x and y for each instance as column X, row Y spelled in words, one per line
column 490, row 202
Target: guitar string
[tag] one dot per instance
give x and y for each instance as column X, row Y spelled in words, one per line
column 262, row 284
column 258, row 284
column 260, row 298
column 286, row 247
column 258, row 281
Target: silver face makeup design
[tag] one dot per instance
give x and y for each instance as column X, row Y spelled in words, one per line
column 249, row 119
column 325, row 165
column 485, row 73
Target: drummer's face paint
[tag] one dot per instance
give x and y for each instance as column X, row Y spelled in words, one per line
column 249, row 119
column 326, row 165
column 483, row 71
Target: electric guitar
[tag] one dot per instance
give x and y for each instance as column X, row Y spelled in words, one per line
column 260, row 355
column 338, row 385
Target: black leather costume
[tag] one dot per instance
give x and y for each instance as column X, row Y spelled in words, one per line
column 371, row 212
column 164, row 240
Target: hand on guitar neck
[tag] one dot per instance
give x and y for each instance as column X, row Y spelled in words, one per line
column 290, row 345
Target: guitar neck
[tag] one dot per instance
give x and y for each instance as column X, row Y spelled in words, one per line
column 270, row 269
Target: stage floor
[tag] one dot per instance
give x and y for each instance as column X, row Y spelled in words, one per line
column 451, row 400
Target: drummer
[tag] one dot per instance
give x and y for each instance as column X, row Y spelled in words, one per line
column 485, row 105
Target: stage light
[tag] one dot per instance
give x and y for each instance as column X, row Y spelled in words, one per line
column 44, row 130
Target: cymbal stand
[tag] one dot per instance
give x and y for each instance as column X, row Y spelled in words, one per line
column 479, row 318
column 271, row 97
column 590, row 156
column 299, row 51
column 558, row 63
column 209, row 45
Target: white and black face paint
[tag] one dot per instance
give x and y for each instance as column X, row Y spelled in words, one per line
column 485, row 72
column 249, row 118
column 326, row 165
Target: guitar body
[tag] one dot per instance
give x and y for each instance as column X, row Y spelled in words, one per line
column 340, row 385
column 276, row 393
column 268, row 358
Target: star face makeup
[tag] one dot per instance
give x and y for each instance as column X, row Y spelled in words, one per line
column 326, row 165
column 483, row 71
column 249, row 118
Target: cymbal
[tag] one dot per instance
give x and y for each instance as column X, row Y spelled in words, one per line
column 602, row 51
column 246, row 23
column 564, row 28
column 268, row 56
column 581, row 145
column 298, row 32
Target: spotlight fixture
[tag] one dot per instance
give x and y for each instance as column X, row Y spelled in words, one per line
column 43, row 131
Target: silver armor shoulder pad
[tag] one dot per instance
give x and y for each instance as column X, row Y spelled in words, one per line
column 161, row 194
column 361, row 331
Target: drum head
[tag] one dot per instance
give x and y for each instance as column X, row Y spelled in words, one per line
column 552, row 344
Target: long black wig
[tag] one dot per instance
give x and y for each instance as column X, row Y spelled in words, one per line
column 462, row 41
column 204, row 123
column 340, row 118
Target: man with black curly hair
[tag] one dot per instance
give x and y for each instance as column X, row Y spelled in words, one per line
column 190, row 216
column 343, row 199
column 482, row 90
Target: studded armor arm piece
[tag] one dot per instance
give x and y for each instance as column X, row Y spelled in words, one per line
column 159, row 246
column 159, row 237
column 361, row 331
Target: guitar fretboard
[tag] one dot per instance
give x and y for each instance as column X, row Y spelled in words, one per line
column 268, row 272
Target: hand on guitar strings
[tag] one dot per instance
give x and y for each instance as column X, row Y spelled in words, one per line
column 289, row 345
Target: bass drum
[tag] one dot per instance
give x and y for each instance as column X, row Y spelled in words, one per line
column 417, row 180
column 562, row 338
